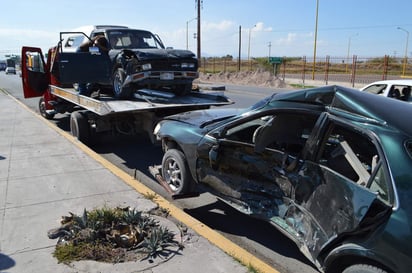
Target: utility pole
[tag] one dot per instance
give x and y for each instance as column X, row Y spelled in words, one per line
column 240, row 47
column 199, row 57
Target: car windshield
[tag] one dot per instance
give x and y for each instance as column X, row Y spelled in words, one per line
column 128, row 39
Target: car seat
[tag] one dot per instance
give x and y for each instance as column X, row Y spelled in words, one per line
column 394, row 93
column 406, row 93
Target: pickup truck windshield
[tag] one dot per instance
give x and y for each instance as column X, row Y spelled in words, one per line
column 128, row 39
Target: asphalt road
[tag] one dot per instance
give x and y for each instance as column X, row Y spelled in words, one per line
column 135, row 154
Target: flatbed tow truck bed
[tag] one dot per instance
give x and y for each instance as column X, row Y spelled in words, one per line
column 91, row 116
column 143, row 100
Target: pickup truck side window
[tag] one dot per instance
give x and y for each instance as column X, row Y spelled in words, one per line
column 355, row 156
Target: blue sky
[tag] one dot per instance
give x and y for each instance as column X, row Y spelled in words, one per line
column 364, row 27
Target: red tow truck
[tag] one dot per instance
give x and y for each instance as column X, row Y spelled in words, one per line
column 54, row 81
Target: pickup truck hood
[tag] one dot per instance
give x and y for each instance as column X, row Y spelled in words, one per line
column 155, row 53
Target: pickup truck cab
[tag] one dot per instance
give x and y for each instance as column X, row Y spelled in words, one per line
column 139, row 59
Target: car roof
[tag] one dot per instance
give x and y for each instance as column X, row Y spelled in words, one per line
column 400, row 82
column 374, row 109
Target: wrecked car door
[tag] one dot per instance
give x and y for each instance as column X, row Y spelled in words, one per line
column 34, row 72
column 342, row 192
column 247, row 161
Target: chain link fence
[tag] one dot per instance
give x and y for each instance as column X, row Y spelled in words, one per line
column 352, row 70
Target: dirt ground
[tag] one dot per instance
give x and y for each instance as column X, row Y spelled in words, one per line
column 257, row 78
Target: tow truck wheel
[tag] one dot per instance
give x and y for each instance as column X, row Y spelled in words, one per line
column 176, row 172
column 79, row 126
column 119, row 90
column 47, row 114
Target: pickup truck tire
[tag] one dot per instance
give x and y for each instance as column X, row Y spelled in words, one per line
column 175, row 171
column 42, row 109
column 119, row 77
column 79, row 127
column 363, row 268
column 183, row 89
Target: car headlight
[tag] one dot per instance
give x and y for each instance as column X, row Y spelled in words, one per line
column 146, row 66
column 188, row 65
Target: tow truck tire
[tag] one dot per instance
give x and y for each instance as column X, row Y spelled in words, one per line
column 119, row 90
column 79, row 126
column 175, row 171
column 43, row 111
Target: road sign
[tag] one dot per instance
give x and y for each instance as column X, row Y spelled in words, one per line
column 275, row 60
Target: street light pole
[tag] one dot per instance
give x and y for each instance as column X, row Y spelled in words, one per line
column 347, row 58
column 248, row 49
column 187, row 32
column 405, row 60
column 316, row 38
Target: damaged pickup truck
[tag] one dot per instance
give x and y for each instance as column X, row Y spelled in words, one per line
column 330, row 167
column 139, row 59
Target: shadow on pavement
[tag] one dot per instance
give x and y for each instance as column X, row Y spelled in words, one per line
column 6, row 262
column 220, row 216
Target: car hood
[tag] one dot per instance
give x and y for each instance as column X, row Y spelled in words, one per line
column 203, row 118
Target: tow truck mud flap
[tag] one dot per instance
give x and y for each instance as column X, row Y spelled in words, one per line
column 156, row 171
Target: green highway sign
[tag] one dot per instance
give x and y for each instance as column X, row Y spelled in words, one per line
column 275, row 60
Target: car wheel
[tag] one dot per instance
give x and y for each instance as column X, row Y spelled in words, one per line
column 363, row 268
column 119, row 90
column 47, row 114
column 79, row 126
column 175, row 171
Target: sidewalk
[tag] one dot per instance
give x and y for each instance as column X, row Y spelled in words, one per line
column 45, row 174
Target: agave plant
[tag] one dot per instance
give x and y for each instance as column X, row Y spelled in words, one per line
column 132, row 216
column 157, row 243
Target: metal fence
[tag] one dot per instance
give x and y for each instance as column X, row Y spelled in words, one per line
column 353, row 70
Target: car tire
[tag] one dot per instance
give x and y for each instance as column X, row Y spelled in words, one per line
column 47, row 114
column 79, row 126
column 175, row 171
column 119, row 90
column 363, row 268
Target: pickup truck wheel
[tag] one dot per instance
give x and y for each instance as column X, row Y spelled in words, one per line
column 363, row 268
column 119, row 91
column 175, row 171
column 79, row 127
column 47, row 114
column 183, row 89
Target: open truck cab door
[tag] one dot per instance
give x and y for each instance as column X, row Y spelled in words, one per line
column 35, row 72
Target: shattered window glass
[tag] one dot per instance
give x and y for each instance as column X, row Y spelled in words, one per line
column 408, row 146
column 380, row 184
